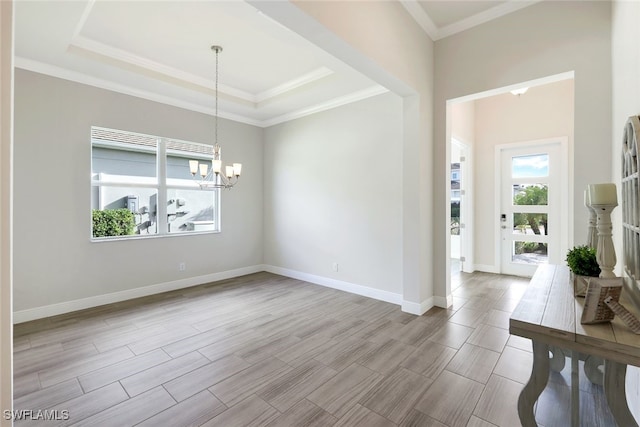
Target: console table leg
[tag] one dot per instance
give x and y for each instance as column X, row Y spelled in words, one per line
column 575, row 390
column 537, row 383
column 616, row 394
column 557, row 359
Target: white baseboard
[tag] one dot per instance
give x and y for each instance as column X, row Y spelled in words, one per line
column 98, row 300
column 338, row 284
column 443, row 302
column 487, row 268
column 95, row 301
column 418, row 309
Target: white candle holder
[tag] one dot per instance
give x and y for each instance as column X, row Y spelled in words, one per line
column 605, row 251
column 592, row 232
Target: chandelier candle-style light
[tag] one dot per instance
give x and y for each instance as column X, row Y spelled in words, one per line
column 214, row 177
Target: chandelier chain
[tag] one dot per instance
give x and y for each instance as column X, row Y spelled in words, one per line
column 216, row 124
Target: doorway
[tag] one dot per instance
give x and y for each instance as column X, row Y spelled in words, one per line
column 460, row 185
column 533, row 193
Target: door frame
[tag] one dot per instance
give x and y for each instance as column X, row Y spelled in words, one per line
column 565, row 206
column 466, row 208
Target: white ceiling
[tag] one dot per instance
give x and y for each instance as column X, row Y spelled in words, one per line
column 160, row 50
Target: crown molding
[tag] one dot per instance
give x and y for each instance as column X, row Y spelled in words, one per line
column 123, row 56
column 333, row 103
column 483, row 17
column 435, row 33
column 305, row 79
column 74, row 76
column 421, row 17
column 83, row 19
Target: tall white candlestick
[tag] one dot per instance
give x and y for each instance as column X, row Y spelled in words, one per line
column 592, row 232
column 605, row 252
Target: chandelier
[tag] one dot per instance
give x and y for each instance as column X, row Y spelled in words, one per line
column 211, row 178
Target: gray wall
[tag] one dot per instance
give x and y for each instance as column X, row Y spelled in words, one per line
column 333, row 194
column 54, row 259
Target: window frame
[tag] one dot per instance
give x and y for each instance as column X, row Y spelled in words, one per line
column 162, row 184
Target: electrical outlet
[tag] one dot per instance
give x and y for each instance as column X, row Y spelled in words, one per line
column 182, row 266
column 335, row 266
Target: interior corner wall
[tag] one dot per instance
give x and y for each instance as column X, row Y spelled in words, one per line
column 331, row 186
column 545, row 111
column 541, row 40
column 626, row 103
column 55, row 261
column 387, row 45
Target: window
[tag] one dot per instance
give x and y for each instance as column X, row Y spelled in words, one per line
column 141, row 186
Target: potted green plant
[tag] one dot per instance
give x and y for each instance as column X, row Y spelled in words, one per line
column 583, row 265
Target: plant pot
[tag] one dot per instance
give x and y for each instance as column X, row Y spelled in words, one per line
column 580, row 284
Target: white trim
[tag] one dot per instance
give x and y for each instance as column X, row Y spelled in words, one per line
column 120, row 55
column 74, row 76
column 486, row 268
column 83, row 19
column 98, row 300
column 337, row 284
column 483, row 17
column 62, row 73
column 466, row 200
column 568, row 75
column 421, row 17
column 332, row 103
column 443, row 302
column 436, row 33
column 285, row 87
column 417, row 309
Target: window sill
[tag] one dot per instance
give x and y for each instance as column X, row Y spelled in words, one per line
column 150, row 236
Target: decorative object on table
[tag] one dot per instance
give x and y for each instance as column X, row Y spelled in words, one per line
column 583, row 265
column 630, row 205
column 595, row 310
column 623, row 313
column 215, row 177
column 592, row 232
column 603, row 199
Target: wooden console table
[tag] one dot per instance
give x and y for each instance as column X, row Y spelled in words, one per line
column 549, row 315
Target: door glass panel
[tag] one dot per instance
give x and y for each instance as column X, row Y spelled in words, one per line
column 530, row 252
column 530, row 223
column 531, row 166
column 530, row 194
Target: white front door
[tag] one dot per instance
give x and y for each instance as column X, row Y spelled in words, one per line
column 533, row 193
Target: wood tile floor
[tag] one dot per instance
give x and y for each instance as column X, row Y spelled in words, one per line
column 272, row 351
